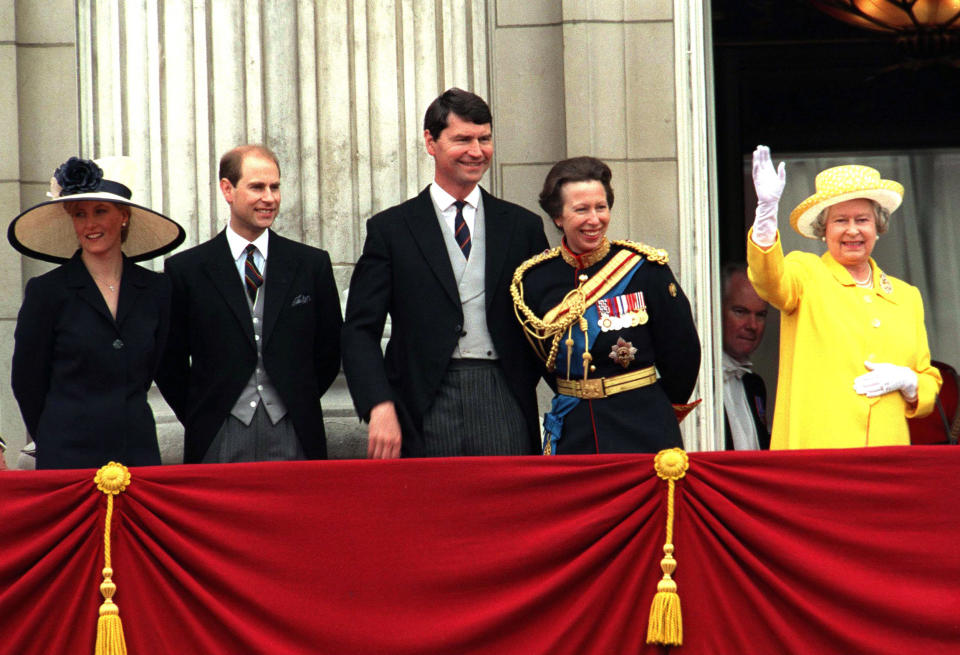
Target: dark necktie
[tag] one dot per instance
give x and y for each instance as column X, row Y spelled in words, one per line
column 252, row 274
column 460, row 230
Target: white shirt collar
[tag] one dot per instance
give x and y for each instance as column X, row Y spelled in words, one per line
column 445, row 201
column 237, row 243
column 733, row 367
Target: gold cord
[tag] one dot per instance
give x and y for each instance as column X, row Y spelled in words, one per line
column 665, row 625
column 111, row 479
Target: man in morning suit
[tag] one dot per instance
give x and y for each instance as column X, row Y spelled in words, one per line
column 744, row 394
column 458, row 377
column 255, row 326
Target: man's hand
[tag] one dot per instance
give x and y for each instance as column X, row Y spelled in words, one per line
column 768, row 183
column 885, row 378
column 384, row 432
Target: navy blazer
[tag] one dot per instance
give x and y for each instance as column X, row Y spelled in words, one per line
column 405, row 271
column 80, row 376
column 756, row 392
column 211, row 353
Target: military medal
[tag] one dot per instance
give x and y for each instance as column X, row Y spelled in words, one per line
column 623, row 352
column 609, row 316
column 622, row 312
column 635, row 307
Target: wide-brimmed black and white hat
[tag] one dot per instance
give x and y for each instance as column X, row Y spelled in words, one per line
column 46, row 231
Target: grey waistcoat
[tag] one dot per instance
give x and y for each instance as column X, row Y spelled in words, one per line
column 259, row 388
column 469, row 275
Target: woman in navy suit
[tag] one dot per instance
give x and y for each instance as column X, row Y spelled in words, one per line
column 90, row 332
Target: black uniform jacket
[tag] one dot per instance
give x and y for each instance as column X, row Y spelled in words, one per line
column 405, row 272
column 637, row 420
column 211, row 352
column 756, row 392
column 80, row 376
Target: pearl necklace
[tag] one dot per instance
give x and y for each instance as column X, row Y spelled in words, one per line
column 865, row 282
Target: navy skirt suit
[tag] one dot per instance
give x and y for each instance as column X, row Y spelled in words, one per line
column 80, row 375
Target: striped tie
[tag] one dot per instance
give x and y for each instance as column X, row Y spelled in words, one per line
column 252, row 274
column 460, row 230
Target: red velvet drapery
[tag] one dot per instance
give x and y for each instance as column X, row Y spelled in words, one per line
column 851, row 551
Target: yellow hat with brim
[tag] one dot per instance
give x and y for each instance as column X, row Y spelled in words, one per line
column 842, row 183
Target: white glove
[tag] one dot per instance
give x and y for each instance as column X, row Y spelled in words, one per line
column 884, row 378
column 768, row 184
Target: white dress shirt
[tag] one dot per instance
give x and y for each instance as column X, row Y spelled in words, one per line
column 238, row 246
column 742, row 428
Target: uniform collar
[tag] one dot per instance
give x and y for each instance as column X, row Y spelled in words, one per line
column 587, row 259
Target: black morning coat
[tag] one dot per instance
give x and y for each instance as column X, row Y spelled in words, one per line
column 80, row 377
column 211, row 352
column 405, row 271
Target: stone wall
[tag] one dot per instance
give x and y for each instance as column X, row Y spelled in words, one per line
column 38, row 131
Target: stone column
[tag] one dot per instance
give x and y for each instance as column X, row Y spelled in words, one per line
column 38, row 131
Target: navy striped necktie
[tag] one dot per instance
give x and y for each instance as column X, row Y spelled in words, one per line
column 251, row 274
column 460, row 230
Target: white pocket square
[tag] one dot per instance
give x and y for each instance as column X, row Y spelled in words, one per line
column 302, row 299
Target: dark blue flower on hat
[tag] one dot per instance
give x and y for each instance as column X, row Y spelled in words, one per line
column 78, row 176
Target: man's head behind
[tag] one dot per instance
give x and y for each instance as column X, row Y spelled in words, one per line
column 744, row 313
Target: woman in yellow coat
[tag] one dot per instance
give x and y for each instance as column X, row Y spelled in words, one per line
column 854, row 359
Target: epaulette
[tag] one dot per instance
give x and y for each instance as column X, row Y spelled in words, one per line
column 536, row 260
column 655, row 255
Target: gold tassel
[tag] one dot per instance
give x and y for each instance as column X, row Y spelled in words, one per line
column 111, row 479
column 666, row 621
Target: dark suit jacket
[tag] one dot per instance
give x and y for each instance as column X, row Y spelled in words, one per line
column 405, row 271
column 757, row 401
column 211, row 352
column 80, row 377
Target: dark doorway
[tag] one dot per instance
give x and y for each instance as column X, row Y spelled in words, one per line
column 797, row 80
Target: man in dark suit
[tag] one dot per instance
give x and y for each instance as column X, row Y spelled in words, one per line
column 458, row 377
column 744, row 394
column 255, row 325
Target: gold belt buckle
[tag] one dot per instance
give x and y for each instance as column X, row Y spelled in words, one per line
column 590, row 389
